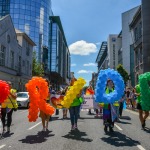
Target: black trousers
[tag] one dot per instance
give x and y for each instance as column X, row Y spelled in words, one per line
column 9, row 117
column 120, row 108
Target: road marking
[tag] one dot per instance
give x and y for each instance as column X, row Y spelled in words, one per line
column 118, row 127
column 2, row 146
column 133, row 112
column 140, row 147
column 35, row 126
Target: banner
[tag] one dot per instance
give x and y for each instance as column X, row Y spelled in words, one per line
column 87, row 102
column 55, row 100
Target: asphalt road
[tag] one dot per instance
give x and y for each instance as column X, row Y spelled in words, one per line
column 90, row 136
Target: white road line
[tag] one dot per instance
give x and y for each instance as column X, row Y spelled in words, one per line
column 118, row 127
column 140, row 147
column 2, row 146
column 35, row 126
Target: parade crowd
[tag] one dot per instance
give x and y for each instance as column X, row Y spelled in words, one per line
column 108, row 112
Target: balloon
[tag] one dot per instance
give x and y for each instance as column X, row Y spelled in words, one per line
column 4, row 91
column 73, row 92
column 38, row 92
column 144, row 80
column 100, row 93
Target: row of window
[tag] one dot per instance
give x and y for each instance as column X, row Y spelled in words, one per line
column 138, row 32
column 12, row 58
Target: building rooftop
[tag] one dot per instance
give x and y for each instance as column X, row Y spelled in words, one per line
column 103, row 48
column 136, row 17
column 18, row 32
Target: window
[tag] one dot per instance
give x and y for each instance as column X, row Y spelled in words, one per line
column 141, row 54
column 113, row 39
column 8, row 38
column 140, row 29
column 27, row 51
column 135, row 34
column 28, row 67
column 12, row 59
column 2, row 55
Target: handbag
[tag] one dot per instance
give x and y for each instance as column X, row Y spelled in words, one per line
column 15, row 109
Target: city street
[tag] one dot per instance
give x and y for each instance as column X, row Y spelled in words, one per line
column 28, row 136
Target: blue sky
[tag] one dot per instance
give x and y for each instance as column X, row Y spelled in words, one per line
column 86, row 24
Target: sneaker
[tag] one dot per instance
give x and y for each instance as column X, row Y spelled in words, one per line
column 75, row 126
column 44, row 129
column 72, row 128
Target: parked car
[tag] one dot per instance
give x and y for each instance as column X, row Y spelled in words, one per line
column 23, row 99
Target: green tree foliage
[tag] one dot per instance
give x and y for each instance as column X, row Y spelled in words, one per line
column 123, row 73
column 37, row 68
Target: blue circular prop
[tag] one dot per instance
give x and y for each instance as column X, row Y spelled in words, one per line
column 100, row 94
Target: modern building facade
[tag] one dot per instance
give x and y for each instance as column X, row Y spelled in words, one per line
column 136, row 30
column 114, row 43
column 141, row 34
column 59, row 55
column 127, row 37
column 94, row 80
column 15, row 54
column 145, row 7
column 120, row 59
column 101, row 60
column 31, row 17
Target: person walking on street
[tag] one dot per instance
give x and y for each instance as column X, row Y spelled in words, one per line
column 143, row 115
column 75, row 108
column 44, row 117
column 7, row 108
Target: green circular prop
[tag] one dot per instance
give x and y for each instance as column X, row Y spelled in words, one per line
column 144, row 80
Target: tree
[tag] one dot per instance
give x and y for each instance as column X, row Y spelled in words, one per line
column 123, row 73
column 37, row 68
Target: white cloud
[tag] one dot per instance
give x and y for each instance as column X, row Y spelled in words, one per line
column 84, row 71
column 82, row 48
column 73, row 65
column 90, row 64
column 98, row 43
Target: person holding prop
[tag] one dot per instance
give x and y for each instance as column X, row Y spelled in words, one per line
column 75, row 108
column 139, row 107
column 107, row 120
column 44, row 117
column 7, row 108
column 65, row 110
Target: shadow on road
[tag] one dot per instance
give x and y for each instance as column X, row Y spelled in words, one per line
column 147, row 130
column 39, row 138
column 6, row 135
column 77, row 135
column 125, row 117
column 122, row 122
column 118, row 139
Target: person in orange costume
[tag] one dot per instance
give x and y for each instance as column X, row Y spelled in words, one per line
column 44, row 117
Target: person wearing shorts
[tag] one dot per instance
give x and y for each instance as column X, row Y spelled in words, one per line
column 142, row 114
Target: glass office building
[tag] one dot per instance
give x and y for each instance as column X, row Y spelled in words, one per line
column 31, row 17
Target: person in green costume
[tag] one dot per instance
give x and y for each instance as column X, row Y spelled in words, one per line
column 142, row 114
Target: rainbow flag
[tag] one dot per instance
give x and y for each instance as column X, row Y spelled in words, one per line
column 89, row 92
